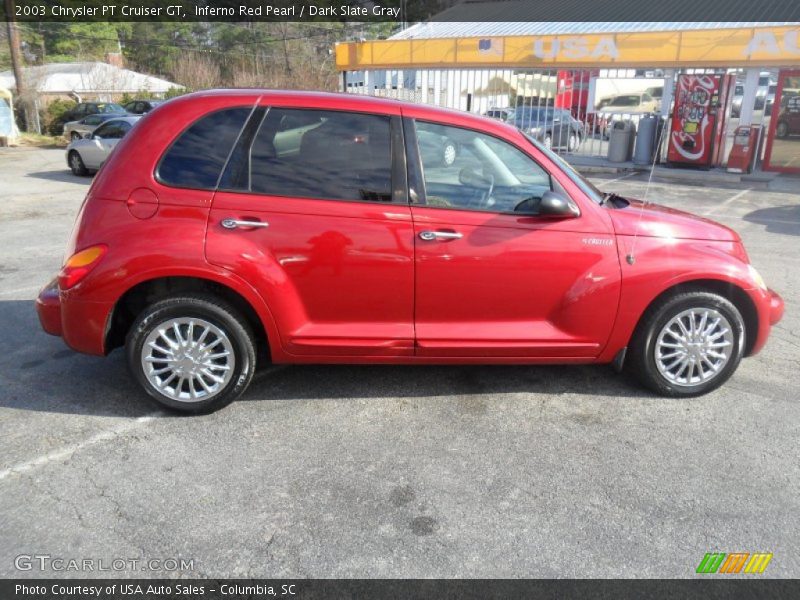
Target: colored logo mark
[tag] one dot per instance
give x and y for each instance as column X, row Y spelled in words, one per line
column 737, row 562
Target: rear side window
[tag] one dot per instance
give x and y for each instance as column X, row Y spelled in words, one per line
column 322, row 154
column 197, row 157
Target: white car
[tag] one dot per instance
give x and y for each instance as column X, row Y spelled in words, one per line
column 89, row 154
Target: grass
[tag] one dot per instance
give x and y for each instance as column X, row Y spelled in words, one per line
column 35, row 140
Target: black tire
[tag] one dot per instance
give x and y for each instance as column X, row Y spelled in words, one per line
column 641, row 358
column 214, row 311
column 782, row 130
column 76, row 164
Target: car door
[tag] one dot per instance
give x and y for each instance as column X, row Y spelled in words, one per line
column 318, row 222
column 88, row 124
column 103, row 140
column 793, row 114
column 560, row 129
column 493, row 278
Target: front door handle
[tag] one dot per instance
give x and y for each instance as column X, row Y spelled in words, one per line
column 231, row 223
column 430, row 236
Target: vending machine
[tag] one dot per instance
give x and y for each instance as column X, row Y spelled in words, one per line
column 697, row 135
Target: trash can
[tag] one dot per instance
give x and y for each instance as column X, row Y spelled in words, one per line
column 620, row 142
column 646, row 140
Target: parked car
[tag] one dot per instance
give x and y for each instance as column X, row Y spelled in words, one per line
column 625, row 107
column 140, row 107
column 503, row 114
column 641, row 102
column 553, row 127
column 77, row 130
column 86, row 155
column 789, row 118
column 85, row 109
column 205, row 250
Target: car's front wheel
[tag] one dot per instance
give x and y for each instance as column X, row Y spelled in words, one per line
column 573, row 142
column 76, row 164
column 192, row 354
column 688, row 344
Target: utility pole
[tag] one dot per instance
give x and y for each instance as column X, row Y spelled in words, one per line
column 16, row 60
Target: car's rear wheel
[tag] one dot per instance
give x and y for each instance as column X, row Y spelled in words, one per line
column 76, row 164
column 75, row 136
column 192, row 354
column 688, row 344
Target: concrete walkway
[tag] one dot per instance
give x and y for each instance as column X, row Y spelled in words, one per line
column 779, row 182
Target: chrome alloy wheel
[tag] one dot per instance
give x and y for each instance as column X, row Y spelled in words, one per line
column 188, row 359
column 694, row 346
column 75, row 161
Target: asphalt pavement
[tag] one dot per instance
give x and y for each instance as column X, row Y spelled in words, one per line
column 384, row 471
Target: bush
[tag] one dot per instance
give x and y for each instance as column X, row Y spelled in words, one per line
column 54, row 123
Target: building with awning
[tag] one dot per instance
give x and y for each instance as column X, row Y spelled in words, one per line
column 86, row 81
column 480, row 66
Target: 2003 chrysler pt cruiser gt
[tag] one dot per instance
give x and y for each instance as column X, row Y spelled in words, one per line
column 327, row 228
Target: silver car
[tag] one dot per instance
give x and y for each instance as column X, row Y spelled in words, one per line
column 76, row 130
column 86, row 155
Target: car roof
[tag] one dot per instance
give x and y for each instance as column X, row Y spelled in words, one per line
column 127, row 118
column 342, row 101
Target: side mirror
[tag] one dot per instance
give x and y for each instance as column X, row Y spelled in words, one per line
column 556, row 205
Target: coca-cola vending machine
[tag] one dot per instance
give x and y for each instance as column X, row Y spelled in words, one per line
column 697, row 134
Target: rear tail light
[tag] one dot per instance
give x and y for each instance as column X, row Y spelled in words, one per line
column 80, row 265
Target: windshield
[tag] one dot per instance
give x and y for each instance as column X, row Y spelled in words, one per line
column 109, row 108
column 586, row 186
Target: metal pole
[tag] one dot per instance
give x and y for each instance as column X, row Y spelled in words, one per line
column 16, row 62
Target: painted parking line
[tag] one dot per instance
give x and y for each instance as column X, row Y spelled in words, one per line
column 726, row 203
column 69, row 450
column 618, row 178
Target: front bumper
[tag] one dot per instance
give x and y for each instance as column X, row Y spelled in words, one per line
column 776, row 307
column 48, row 307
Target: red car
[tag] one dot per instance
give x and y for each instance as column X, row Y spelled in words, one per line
column 232, row 227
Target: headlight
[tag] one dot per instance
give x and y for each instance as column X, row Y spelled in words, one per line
column 757, row 277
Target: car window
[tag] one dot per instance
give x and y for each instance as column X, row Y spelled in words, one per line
column 109, row 108
column 483, row 174
column 112, row 130
column 322, row 154
column 93, row 120
column 130, row 106
column 197, row 157
column 625, row 101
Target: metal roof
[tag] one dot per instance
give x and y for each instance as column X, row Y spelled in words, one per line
column 86, row 77
column 453, row 29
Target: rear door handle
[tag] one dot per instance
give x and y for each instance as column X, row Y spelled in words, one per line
column 231, row 223
column 430, row 236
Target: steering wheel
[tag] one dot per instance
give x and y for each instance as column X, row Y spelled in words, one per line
column 488, row 194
